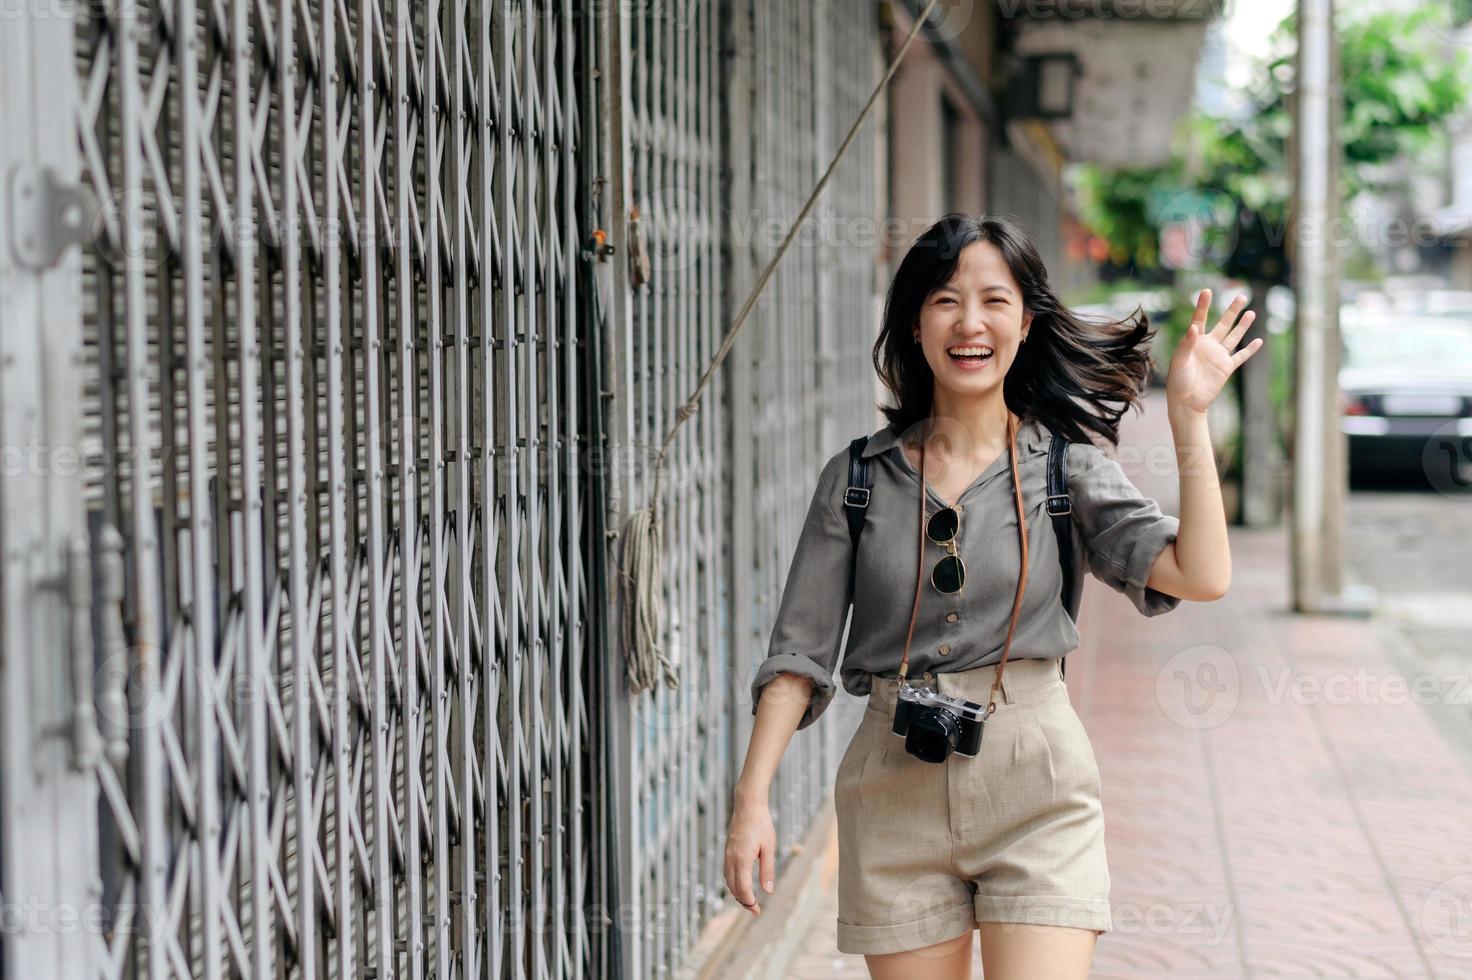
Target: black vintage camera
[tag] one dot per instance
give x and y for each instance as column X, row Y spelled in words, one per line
column 934, row 725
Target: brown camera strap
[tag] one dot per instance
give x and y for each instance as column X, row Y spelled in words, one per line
column 1021, row 578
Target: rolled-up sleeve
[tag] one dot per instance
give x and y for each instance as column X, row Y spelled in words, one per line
column 1123, row 530
column 808, row 631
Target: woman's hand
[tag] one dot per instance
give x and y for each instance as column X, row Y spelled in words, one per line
column 750, row 836
column 1204, row 361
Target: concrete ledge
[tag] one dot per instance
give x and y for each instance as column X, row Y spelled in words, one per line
column 739, row 946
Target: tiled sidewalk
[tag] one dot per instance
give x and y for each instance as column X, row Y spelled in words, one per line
column 1278, row 800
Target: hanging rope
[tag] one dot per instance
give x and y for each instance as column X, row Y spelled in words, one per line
column 641, row 575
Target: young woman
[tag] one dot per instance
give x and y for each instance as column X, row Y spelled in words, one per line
column 956, row 581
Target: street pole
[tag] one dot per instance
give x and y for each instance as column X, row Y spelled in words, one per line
column 1310, row 529
column 1336, row 449
column 1312, row 275
column 1319, row 450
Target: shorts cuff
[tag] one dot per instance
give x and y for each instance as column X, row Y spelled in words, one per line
column 1046, row 910
column 901, row 937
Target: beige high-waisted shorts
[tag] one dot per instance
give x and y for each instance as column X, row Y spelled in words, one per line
column 1015, row 834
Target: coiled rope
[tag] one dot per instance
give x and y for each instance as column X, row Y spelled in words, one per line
column 641, row 576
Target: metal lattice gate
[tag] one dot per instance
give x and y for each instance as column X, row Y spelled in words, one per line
column 331, row 399
column 729, row 112
column 808, row 380
column 665, row 325
column 328, row 585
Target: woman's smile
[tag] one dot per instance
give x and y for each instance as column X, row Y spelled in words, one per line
column 970, row 357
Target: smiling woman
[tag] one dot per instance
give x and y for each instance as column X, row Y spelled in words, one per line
column 986, row 367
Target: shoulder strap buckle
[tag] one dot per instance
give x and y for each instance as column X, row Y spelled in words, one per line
column 856, row 500
column 1059, row 504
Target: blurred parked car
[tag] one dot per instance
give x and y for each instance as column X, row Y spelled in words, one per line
column 1403, row 380
column 1449, row 302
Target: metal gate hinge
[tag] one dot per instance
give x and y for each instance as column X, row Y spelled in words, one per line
column 47, row 215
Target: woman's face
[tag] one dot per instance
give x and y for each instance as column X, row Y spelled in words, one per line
column 980, row 309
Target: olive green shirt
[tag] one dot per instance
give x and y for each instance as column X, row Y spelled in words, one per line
column 1117, row 533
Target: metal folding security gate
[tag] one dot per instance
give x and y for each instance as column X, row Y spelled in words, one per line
column 307, row 590
column 331, row 393
column 728, row 113
column 663, row 158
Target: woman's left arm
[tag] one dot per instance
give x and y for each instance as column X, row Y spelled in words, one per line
column 1198, row 564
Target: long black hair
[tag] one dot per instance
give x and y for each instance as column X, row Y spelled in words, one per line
column 1076, row 376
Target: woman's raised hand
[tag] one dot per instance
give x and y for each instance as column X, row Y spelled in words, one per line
column 1204, row 361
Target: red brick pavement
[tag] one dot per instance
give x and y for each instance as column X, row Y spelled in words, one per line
column 1278, row 801
column 1275, row 804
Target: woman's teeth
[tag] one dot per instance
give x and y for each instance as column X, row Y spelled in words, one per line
column 972, row 355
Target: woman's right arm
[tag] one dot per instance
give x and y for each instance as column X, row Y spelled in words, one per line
column 751, row 836
column 794, row 684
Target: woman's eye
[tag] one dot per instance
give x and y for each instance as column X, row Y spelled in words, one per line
column 945, row 299
column 991, row 301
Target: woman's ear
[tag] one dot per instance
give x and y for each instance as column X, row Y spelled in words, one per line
column 1026, row 322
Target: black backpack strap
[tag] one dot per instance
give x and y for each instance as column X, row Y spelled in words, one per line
column 856, row 499
column 1059, row 508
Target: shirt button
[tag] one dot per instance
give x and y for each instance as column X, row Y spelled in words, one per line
column 945, row 648
column 950, row 617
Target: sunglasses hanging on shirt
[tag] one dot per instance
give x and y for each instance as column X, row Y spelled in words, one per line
column 949, row 574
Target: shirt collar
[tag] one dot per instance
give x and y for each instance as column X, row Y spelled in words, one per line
column 1032, row 437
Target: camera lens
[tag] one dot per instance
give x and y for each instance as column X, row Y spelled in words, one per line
column 933, row 735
